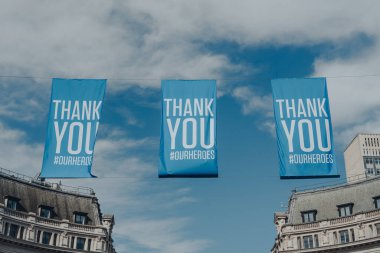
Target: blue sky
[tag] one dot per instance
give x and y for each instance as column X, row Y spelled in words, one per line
column 242, row 44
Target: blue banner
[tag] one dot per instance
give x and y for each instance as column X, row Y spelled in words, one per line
column 303, row 126
column 188, row 129
column 75, row 110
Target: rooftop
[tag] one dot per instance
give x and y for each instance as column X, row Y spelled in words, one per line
column 325, row 200
column 33, row 193
column 84, row 191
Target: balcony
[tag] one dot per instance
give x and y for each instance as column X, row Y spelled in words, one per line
column 33, row 219
column 333, row 223
column 64, row 229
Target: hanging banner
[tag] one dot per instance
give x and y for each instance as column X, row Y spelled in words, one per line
column 303, row 126
column 188, row 129
column 73, row 122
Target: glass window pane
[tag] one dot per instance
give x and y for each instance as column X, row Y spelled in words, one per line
column 308, row 216
column 80, row 218
column 46, row 238
column 344, row 238
column 308, row 242
column 80, row 243
column 13, row 231
column 12, row 204
column 45, row 212
column 345, row 210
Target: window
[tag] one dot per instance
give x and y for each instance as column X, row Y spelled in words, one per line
column 376, row 200
column 377, row 225
column 344, row 237
column 13, row 231
column 80, row 218
column 309, row 216
column 345, row 210
column 46, row 238
column 308, row 242
column 46, row 211
column 80, row 243
column 12, row 203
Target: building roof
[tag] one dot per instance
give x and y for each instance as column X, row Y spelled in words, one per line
column 34, row 194
column 326, row 200
column 357, row 135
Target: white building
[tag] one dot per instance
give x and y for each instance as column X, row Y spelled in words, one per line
column 40, row 217
column 362, row 157
column 343, row 218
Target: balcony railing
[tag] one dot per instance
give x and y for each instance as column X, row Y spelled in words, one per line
column 16, row 214
column 359, row 217
column 342, row 220
column 32, row 218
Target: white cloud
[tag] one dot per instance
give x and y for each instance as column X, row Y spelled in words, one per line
column 163, row 236
column 354, row 101
column 256, row 104
column 162, row 39
column 253, row 102
column 253, row 22
column 97, row 39
column 17, row 154
column 23, row 100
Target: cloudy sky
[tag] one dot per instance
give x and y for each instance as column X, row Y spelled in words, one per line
column 243, row 44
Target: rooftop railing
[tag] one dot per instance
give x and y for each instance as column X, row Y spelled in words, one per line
column 55, row 186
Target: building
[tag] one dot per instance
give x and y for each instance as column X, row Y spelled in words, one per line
column 342, row 218
column 362, row 157
column 37, row 216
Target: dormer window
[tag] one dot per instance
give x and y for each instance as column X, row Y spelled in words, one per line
column 309, row 216
column 345, row 210
column 12, row 203
column 80, row 218
column 46, row 212
column 376, row 200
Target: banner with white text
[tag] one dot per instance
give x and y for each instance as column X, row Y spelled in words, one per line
column 304, row 130
column 188, row 129
column 73, row 122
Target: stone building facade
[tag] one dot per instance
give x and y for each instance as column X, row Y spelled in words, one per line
column 37, row 216
column 342, row 218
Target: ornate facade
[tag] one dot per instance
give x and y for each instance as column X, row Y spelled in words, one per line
column 36, row 216
column 344, row 218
